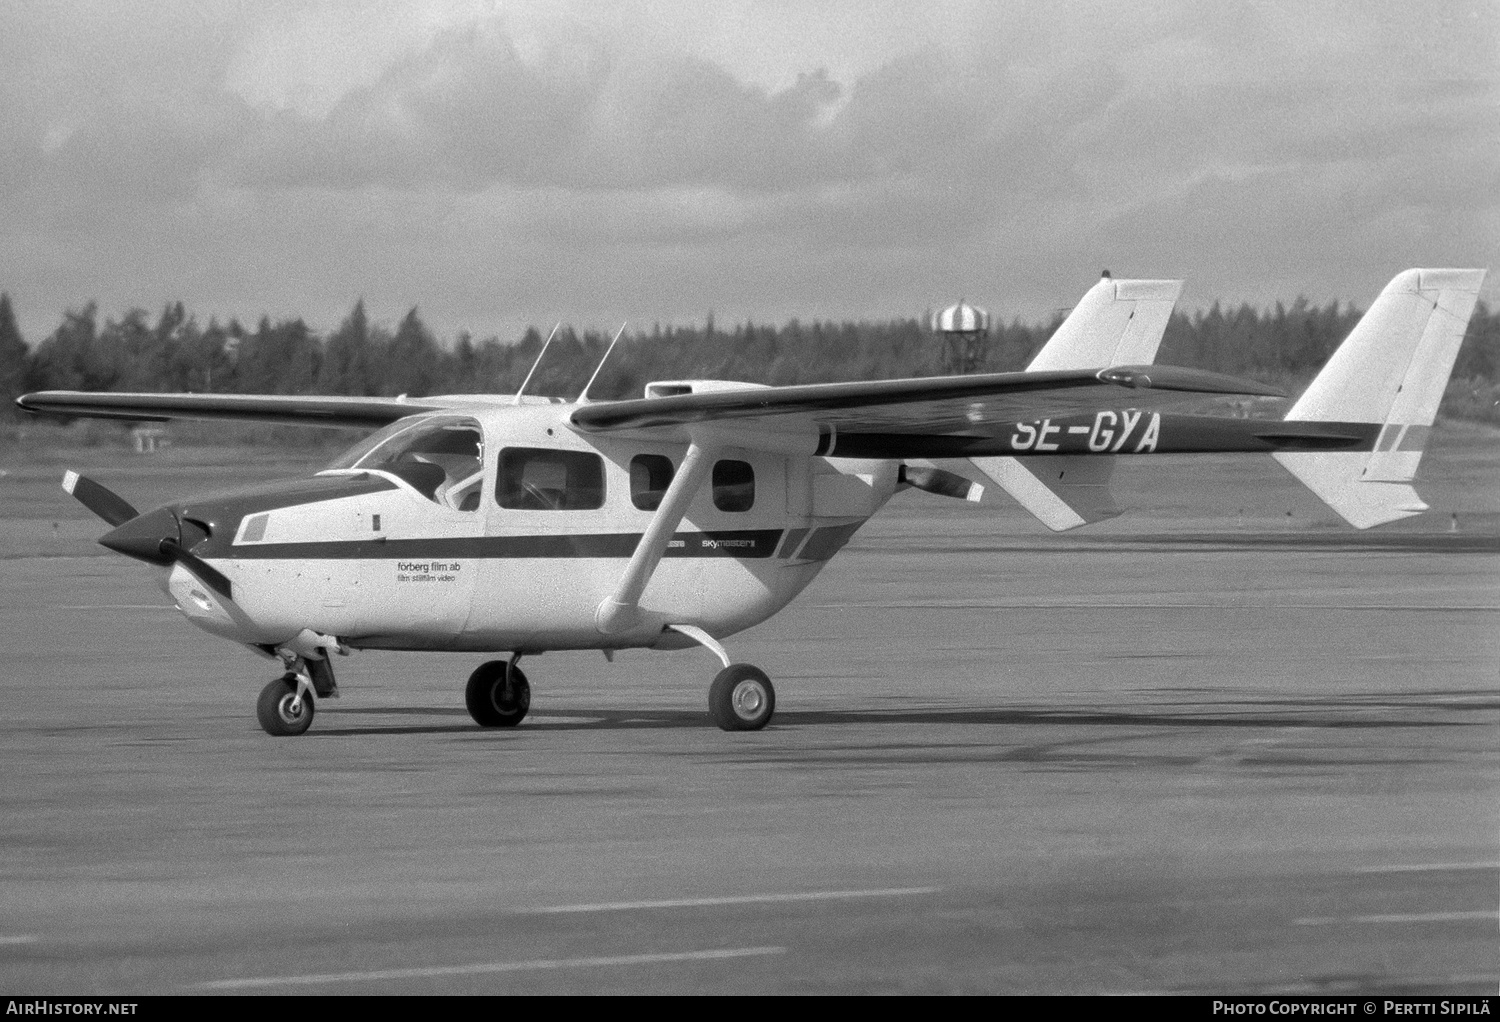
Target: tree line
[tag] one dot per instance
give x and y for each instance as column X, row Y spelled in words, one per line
column 174, row 351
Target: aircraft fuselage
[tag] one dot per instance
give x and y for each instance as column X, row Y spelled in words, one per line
column 385, row 562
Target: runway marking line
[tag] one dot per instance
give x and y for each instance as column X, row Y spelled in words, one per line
column 733, row 899
column 115, row 606
column 484, row 968
column 18, row 938
column 1492, row 915
column 1431, row 867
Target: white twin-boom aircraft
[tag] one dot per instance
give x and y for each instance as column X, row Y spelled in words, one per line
column 507, row 523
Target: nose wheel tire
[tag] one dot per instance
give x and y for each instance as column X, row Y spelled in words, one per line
column 741, row 698
column 279, row 710
column 491, row 702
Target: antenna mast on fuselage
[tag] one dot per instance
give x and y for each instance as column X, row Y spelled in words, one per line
column 583, row 397
column 522, row 389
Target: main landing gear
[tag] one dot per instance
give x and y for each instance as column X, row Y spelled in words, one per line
column 741, row 698
column 498, row 694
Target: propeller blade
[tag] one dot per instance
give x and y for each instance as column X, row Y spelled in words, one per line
column 104, row 502
column 940, row 481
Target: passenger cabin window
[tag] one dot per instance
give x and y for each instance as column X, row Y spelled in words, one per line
column 442, row 459
column 734, row 485
column 544, row 479
column 650, row 475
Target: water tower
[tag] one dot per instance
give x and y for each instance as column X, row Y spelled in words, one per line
column 963, row 328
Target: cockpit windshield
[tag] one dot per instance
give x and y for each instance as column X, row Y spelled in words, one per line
column 442, row 458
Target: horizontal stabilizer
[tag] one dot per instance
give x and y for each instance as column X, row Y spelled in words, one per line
column 1117, row 322
column 1062, row 491
column 1390, row 372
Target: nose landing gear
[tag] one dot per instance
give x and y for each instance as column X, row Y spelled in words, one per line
column 285, row 706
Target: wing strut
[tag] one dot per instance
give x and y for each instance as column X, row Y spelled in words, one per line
column 617, row 612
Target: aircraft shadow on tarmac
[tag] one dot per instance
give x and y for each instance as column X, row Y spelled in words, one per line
column 1390, row 542
column 1350, row 712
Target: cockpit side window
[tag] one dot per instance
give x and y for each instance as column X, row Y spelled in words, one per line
column 442, row 459
column 547, row 479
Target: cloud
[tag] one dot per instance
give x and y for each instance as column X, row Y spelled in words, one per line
column 794, row 159
column 467, row 111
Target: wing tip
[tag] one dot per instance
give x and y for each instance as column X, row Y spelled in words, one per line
column 69, row 481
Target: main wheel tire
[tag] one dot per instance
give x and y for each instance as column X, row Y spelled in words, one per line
column 486, row 697
column 274, row 708
column 741, row 698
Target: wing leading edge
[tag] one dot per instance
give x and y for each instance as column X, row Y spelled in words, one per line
column 355, row 412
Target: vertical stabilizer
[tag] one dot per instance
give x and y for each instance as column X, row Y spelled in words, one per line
column 1390, row 372
column 1117, row 322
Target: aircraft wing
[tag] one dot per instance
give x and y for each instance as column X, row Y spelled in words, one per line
column 292, row 410
column 925, row 417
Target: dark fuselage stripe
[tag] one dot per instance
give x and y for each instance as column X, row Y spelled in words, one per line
column 754, row 543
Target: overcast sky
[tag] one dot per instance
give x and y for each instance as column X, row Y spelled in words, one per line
column 504, row 163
